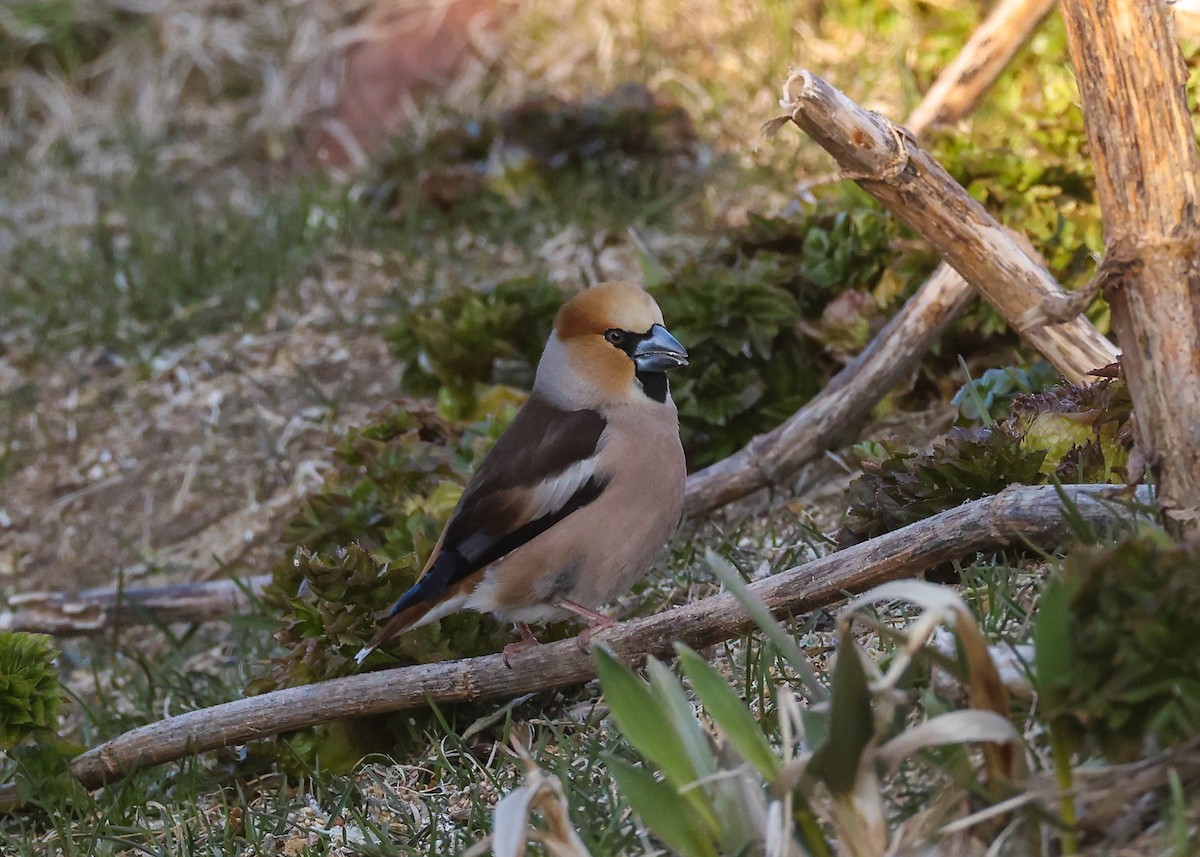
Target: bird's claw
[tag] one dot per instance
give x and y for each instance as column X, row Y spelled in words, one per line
column 527, row 641
column 584, row 640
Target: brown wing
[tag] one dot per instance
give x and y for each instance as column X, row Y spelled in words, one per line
column 540, row 471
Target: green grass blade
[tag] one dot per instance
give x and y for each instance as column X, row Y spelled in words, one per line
column 1054, row 660
column 671, row 695
column 851, row 722
column 776, row 633
column 644, row 721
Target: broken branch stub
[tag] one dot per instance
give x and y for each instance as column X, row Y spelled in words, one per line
column 886, row 161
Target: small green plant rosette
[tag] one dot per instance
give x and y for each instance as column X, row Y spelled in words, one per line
column 30, row 694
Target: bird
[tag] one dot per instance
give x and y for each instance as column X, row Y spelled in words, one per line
column 581, row 492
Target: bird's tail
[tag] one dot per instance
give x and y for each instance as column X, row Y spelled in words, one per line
column 400, row 621
column 445, row 568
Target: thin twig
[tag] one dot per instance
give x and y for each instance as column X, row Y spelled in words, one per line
column 1018, row 515
column 983, row 58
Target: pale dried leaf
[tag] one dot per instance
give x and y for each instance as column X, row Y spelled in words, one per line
column 956, row 727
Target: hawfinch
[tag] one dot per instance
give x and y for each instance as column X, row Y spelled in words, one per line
column 580, row 493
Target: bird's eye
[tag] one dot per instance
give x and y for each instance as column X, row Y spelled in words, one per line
column 616, row 337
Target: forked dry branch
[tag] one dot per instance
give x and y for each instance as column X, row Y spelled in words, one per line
column 1025, row 515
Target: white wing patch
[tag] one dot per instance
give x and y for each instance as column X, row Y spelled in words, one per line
column 551, row 494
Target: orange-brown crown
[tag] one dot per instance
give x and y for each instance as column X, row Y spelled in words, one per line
column 608, row 305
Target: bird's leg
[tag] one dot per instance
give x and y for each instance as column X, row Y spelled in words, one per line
column 595, row 621
column 527, row 642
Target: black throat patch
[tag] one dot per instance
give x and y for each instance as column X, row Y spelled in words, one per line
column 654, row 385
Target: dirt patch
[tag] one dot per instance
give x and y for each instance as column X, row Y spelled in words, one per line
column 180, row 467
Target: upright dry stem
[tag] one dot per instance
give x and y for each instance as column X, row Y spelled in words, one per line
column 1132, row 79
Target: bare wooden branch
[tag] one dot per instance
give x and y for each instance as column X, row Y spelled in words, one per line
column 1140, row 134
column 887, row 163
column 1017, row 516
column 94, row 611
column 983, row 58
column 771, row 458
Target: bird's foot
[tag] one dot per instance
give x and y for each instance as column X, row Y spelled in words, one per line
column 527, row 641
column 595, row 622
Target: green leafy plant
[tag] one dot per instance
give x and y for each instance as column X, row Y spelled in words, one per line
column 988, row 397
column 364, row 539
column 826, row 764
column 30, row 695
column 456, row 347
column 1075, row 433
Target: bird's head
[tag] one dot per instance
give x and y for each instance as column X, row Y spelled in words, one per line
column 609, row 346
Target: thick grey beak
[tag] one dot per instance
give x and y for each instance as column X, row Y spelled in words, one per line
column 659, row 351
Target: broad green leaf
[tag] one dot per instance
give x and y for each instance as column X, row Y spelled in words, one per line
column 724, row 706
column 662, row 808
column 644, row 720
column 671, row 695
column 851, row 722
column 1053, row 654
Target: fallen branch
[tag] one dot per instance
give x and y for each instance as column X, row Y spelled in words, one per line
column 888, row 164
column 983, row 58
column 1140, row 135
column 94, row 611
column 773, row 457
column 1018, row 515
